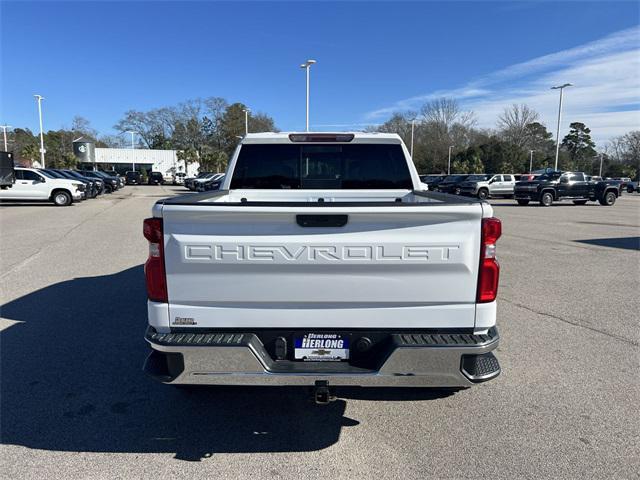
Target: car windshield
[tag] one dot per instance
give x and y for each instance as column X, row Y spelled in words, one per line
column 48, row 174
column 70, row 175
column 317, row 166
column 478, row 178
column 431, row 178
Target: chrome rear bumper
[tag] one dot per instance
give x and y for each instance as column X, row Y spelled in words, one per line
column 412, row 360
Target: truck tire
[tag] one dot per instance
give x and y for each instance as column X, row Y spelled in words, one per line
column 61, row 198
column 580, row 202
column 523, row 202
column 546, row 200
column 608, row 200
column 483, row 194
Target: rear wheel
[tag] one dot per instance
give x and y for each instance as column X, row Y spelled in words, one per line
column 547, row 199
column 483, row 194
column 523, row 202
column 580, row 202
column 457, row 191
column 608, row 199
column 62, row 199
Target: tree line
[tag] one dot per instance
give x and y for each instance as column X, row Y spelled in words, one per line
column 442, row 124
column 203, row 130
column 206, row 130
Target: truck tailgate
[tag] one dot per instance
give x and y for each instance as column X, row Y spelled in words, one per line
column 387, row 267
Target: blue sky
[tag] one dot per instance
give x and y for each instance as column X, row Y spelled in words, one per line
column 100, row 59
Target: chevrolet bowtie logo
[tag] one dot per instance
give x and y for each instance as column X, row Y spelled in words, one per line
column 321, row 352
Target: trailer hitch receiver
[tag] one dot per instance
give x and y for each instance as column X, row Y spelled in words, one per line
column 321, row 393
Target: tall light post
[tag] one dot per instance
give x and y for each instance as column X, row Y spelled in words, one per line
column 531, row 160
column 4, row 134
column 413, row 125
column 246, row 120
column 307, row 67
column 561, row 88
column 39, row 99
column 600, row 174
column 449, row 164
column 133, row 147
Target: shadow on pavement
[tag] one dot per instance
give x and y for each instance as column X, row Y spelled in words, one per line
column 72, row 381
column 30, row 204
column 626, row 243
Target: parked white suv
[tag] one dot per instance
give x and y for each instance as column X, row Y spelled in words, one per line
column 32, row 185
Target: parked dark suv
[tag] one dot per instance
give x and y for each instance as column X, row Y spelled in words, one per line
column 133, row 178
column 155, row 178
column 451, row 184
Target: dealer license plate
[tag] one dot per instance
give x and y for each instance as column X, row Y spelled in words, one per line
column 321, row 347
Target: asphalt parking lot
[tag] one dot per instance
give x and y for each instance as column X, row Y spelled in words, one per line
column 75, row 403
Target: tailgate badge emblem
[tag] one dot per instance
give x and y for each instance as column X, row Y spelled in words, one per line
column 185, row 321
column 321, row 352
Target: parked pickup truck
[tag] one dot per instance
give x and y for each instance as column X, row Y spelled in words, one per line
column 321, row 262
column 557, row 185
column 33, row 185
column 485, row 186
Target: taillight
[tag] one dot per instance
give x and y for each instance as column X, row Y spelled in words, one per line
column 489, row 273
column 154, row 273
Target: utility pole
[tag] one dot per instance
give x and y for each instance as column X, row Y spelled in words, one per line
column 531, row 160
column 413, row 124
column 307, row 67
column 600, row 174
column 449, row 164
column 4, row 134
column 39, row 99
column 133, row 147
column 246, row 120
column 561, row 88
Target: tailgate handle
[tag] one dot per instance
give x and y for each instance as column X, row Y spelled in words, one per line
column 322, row 220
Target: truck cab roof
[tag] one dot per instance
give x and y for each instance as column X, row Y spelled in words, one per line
column 321, row 137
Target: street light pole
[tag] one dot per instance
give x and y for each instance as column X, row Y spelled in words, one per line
column 39, row 99
column 4, row 134
column 307, row 67
column 600, row 174
column 531, row 160
column 246, row 120
column 413, row 124
column 449, row 164
column 133, row 147
column 561, row 88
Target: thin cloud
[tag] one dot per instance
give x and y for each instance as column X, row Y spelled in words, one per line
column 606, row 93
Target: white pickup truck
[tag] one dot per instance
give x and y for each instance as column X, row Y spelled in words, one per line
column 322, row 262
column 32, row 184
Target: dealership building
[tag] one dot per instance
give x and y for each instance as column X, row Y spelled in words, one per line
column 125, row 159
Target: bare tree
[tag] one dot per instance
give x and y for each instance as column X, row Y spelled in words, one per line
column 445, row 124
column 513, row 122
column 444, row 113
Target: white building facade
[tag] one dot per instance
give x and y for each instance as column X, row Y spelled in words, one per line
column 125, row 159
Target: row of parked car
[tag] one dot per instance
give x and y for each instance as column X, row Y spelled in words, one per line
column 62, row 187
column 543, row 187
column 204, row 182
